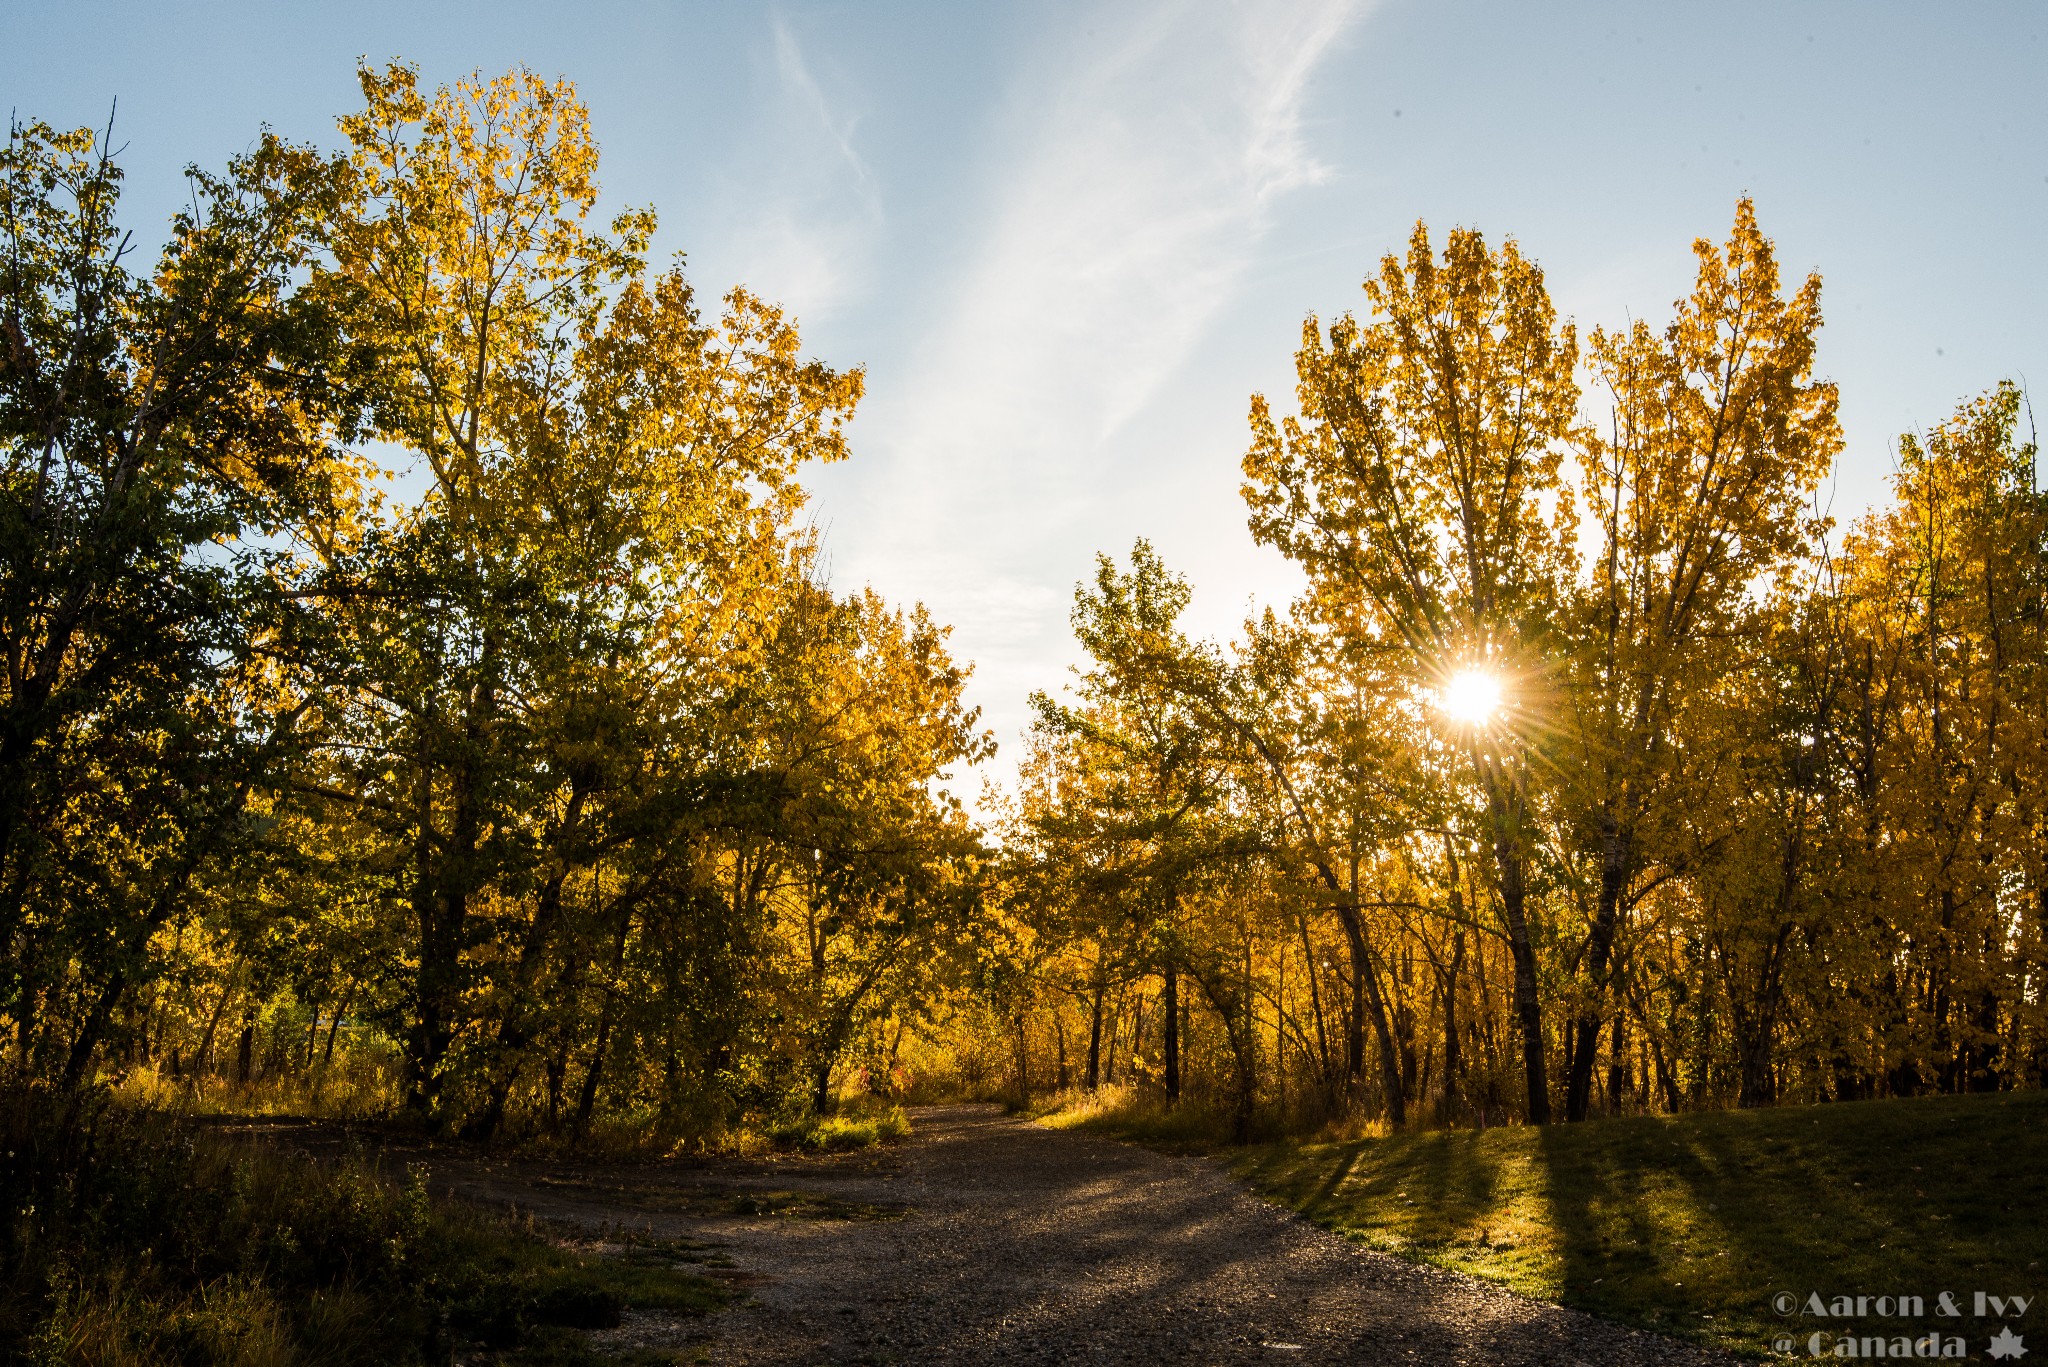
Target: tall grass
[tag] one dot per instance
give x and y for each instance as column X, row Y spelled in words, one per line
column 1140, row 1112
column 1137, row 1113
column 129, row 1238
column 355, row 1085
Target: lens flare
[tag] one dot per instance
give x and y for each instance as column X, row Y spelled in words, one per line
column 1470, row 698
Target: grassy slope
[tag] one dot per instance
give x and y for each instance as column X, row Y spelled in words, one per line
column 1689, row 1224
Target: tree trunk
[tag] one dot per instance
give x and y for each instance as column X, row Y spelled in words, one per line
column 1325, row 1064
column 1095, row 1034
column 334, row 1027
column 821, row 1087
column 1169, row 1006
column 204, row 1058
column 557, row 1072
column 586, row 1099
column 425, row 1038
column 1507, row 855
column 1366, row 987
column 516, row 1031
column 1617, row 847
column 1023, row 1061
column 1618, row 1081
column 1447, row 1108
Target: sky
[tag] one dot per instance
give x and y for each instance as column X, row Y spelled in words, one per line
column 1067, row 242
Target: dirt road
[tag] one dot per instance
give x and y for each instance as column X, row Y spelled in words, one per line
column 985, row 1239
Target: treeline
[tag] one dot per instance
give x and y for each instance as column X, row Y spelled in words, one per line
column 417, row 664
column 411, row 636
column 1594, row 770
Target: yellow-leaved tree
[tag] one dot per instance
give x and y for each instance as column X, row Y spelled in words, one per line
column 1422, row 481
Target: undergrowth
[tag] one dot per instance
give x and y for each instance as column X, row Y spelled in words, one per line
column 857, row 1127
column 364, row 1088
column 131, row 1239
column 358, row 1085
column 1139, row 1114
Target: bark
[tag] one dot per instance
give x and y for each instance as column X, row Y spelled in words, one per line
column 1325, row 1064
column 1231, row 1008
column 821, row 1086
column 1169, row 1005
column 1617, row 1064
column 516, row 1031
column 1095, row 1034
column 1507, row 855
column 1453, row 1059
column 1023, row 1061
column 204, row 1058
column 334, row 1027
column 1617, row 854
column 1367, row 984
column 586, row 1099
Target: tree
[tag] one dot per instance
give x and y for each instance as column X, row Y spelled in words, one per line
column 1160, row 771
column 1702, row 491
column 1422, row 481
column 162, row 438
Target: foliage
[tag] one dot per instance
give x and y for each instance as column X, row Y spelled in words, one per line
column 422, row 693
column 836, row 1133
column 415, row 653
column 1743, row 813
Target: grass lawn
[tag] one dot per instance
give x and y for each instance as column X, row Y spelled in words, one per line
column 1689, row 1225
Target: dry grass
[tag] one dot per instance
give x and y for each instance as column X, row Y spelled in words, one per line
column 134, row 1239
column 356, row 1085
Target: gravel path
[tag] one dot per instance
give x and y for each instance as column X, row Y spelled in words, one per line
column 985, row 1239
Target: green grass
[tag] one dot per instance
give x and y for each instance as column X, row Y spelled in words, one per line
column 1688, row 1225
column 859, row 1129
column 132, row 1239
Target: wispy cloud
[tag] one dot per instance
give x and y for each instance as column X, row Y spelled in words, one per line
column 810, row 209
column 1136, row 205
column 1145, row 162
column 798, row 82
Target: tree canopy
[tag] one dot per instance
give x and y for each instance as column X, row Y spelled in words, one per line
column 414, row 648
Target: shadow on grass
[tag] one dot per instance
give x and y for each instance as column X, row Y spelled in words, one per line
column 1689, row 1225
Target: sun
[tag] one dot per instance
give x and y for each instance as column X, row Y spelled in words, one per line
column 1471, row 697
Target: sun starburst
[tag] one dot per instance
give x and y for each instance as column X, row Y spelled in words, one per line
column 1470, row 697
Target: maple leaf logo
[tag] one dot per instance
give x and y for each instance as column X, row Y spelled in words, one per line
column 2007, row 1345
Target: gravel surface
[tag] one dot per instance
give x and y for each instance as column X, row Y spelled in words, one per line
column 985, row 1239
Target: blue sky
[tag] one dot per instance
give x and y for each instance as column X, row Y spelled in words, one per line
column 1068, row 241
